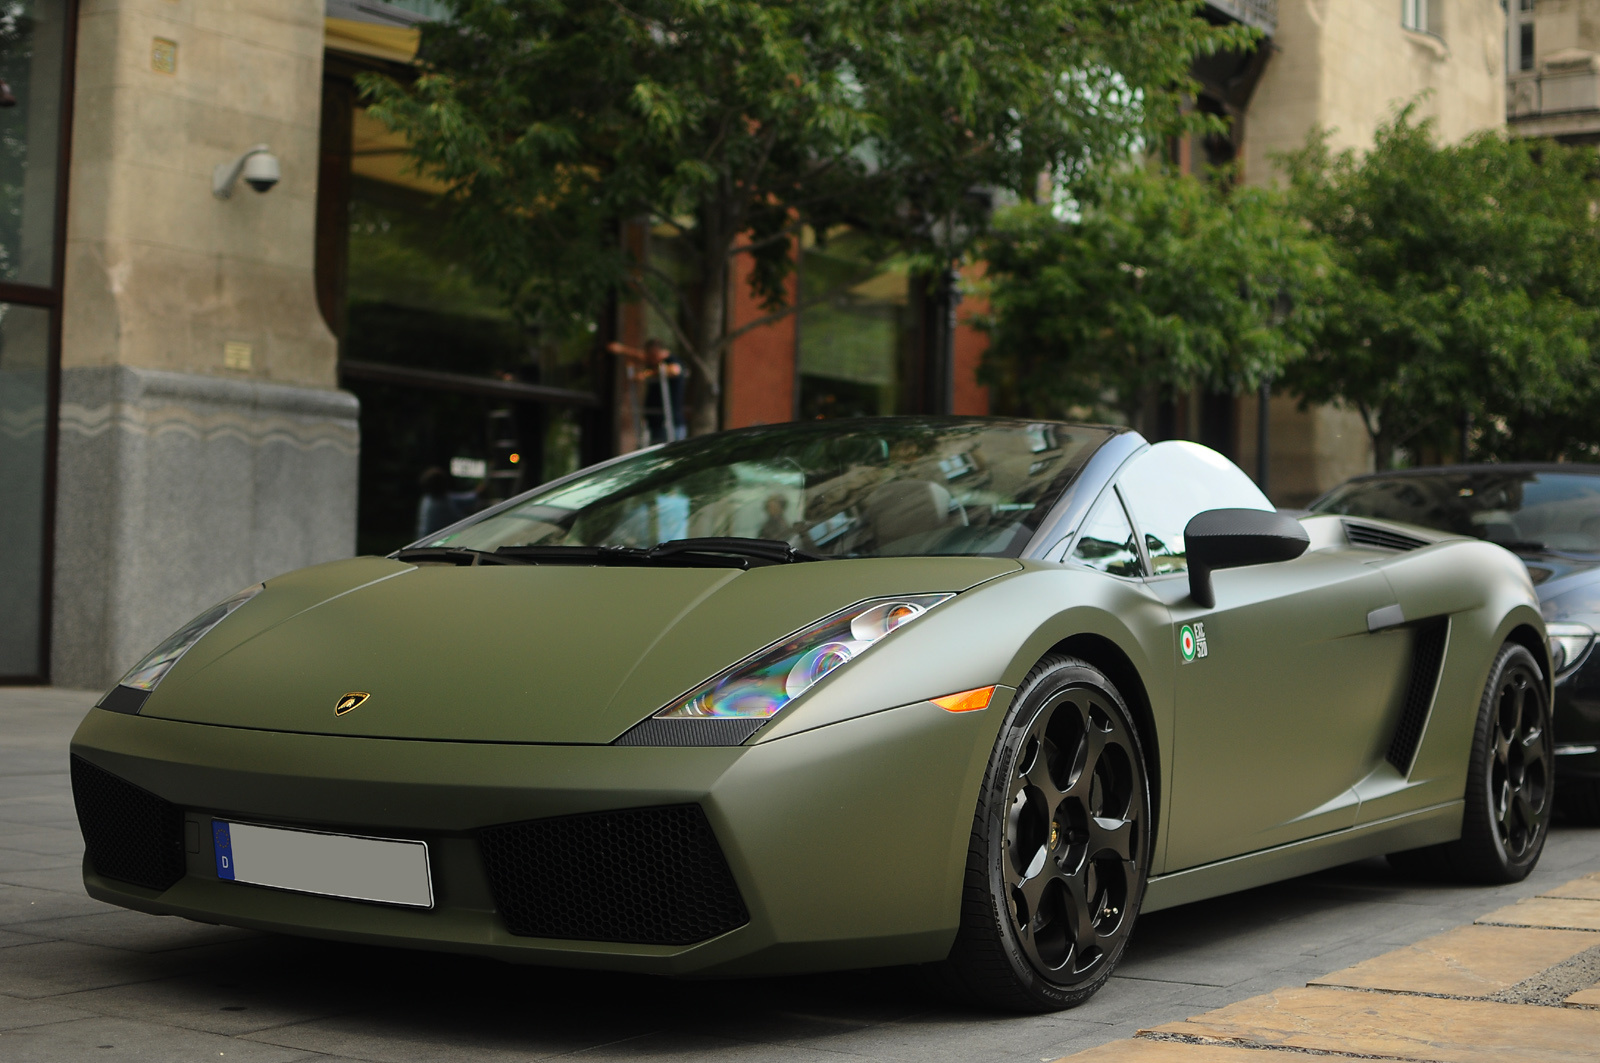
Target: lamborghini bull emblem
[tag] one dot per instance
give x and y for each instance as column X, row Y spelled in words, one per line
column 352, row 700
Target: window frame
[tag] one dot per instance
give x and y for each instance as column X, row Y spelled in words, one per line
column 1111, row 496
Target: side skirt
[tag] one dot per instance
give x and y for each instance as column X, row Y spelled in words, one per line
column 1409, row 830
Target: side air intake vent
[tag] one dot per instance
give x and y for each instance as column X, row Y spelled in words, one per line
column 131, row 834
column 1427, row 655
column 646, row 876
column 1381, row 538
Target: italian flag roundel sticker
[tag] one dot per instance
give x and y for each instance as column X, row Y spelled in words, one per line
column 1186, row 643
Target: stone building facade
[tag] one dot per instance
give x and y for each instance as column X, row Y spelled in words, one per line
column 1343, row 66
column 1553, row 69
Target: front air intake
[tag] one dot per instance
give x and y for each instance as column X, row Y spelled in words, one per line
column 644, row 876
column 1428, row 639
column 131, row 834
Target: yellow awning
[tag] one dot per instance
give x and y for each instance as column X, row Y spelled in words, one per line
column 398, row 44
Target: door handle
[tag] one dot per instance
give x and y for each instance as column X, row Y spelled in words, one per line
column 1386, row 617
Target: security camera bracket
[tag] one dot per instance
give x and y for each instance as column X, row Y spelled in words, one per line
column 226, row 174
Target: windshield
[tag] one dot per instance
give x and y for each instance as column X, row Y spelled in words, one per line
column 862, row 488
column 1517, row 508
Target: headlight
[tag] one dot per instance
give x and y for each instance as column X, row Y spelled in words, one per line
column 761, row 685
column 1569, row 644
column 159, row 661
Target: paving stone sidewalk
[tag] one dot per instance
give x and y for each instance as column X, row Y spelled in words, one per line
column 80, row 980
column 1521, row 983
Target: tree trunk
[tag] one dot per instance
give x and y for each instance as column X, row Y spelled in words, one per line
column 710, row 324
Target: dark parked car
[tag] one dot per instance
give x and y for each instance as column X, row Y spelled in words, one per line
column 1548, row 515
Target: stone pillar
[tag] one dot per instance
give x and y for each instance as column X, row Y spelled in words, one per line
column 204, row 445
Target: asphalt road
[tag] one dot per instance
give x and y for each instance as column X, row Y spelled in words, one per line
column 80, row 980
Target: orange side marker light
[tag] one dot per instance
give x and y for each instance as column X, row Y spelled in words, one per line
column 967, row 700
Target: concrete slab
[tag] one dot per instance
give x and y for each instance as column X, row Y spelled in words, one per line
column 1435, row 1030
column 1554, row 912
column 1469, row 961
column 1146, row 1050
column 134, row 1042
column 1588, row 997
column 1586, row 888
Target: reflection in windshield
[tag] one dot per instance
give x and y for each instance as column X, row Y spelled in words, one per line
column 1521, row 509
column 901, row 486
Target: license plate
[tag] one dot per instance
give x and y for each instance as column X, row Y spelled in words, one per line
column 383, row 870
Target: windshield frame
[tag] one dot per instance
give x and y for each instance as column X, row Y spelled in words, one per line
column 1065, row 494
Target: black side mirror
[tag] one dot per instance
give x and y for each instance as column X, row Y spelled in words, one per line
column 1231, row 538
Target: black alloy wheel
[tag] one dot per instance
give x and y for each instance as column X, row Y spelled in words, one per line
column 1519, row 770
column 1510, row 781
column 1060, row 845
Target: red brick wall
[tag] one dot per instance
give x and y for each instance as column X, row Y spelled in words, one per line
column 971, row 398
column 760, row 374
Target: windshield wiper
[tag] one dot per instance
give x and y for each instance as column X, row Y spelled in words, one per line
column 706, row 551
column 455, row 555
column 774, row 551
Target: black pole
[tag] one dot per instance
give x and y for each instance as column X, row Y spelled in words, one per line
column 1263, row 425
column 950, row 297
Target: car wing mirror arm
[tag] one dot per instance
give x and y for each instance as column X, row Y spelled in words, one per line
column 1233, row 538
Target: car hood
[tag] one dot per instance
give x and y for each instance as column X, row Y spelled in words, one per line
column 1568, row 586
column 509, row 653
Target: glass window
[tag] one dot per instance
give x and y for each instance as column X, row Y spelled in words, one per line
column 24, row 383
column 853, row 342
column 1170, row 483
column 1107, row 542
column 1525, row 46
column 32, row 33
column 872, row 488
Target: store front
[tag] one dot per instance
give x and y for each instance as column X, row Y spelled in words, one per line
column 35, row 92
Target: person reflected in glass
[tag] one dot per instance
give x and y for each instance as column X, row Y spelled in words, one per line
column 663, row 375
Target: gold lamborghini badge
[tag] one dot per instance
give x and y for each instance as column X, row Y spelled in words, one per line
column 352, row 700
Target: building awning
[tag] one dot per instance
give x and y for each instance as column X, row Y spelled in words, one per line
column 396, row 44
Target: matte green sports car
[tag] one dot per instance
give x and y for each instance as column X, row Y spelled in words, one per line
column 968, row 693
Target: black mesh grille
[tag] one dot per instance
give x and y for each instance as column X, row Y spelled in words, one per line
column 131, row 834
column 648, row 876
column 1382, row 538
column 1427, row 654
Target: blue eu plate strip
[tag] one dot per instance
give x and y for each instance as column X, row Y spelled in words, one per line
column 222, row 844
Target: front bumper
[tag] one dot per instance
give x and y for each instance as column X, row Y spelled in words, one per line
column 847, row 842
column 1576, row 721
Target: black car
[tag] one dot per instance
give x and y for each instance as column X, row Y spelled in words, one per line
column 1549, row 515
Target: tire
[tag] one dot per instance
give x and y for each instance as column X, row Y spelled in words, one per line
column 1060, row 846
column 1510, row 778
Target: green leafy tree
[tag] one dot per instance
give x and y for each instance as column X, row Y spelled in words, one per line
column 1469, row 289
column 732, row 123
column 1163, row 281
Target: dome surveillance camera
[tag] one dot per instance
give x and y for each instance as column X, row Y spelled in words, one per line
column 258, row 167
column 261, row 171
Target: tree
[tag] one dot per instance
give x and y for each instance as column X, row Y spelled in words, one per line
column 733, row 123
column 1161, row 282
column 1469, row 289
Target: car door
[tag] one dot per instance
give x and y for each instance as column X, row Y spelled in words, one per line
column 1279, row 687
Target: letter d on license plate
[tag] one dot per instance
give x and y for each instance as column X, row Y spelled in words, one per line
column 382, row 870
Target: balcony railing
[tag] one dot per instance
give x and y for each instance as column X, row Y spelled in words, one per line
column 1262, row 14
column 1565, row 83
